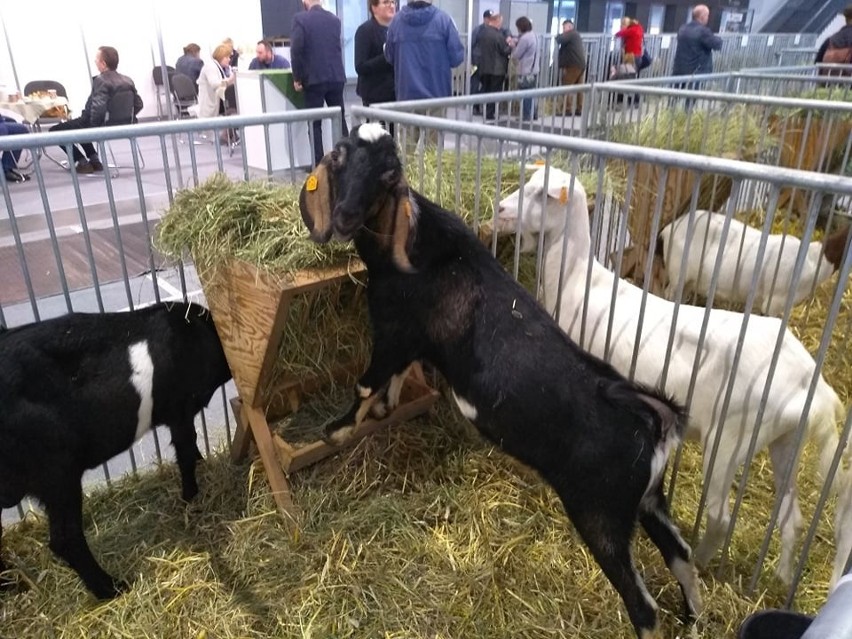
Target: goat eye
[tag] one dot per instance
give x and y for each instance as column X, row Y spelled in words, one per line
column 390, row 177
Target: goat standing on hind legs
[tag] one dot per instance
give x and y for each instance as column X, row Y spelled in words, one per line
column 437, row 294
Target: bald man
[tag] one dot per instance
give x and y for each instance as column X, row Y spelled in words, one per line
column 695, row 44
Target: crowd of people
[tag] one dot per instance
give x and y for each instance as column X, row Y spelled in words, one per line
column 405, row 54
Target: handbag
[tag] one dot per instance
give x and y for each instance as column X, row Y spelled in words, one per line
column 646, row 60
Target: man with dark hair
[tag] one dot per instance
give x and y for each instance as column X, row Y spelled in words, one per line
column 837, row 49
column 105, row 86
column 190, row 63
column 266, row 58
column 572, row 65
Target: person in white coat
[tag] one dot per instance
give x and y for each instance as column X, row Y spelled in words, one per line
column 214, row 79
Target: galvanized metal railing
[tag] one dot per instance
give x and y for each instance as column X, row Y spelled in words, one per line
column 508, row 148
column 74, row 242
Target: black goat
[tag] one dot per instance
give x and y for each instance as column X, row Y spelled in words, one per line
column 79, row 389
column 436, row 294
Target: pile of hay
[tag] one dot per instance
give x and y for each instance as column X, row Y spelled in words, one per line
column 734, row 132
column 828, row 93
column 256, row 222
column 421, row 531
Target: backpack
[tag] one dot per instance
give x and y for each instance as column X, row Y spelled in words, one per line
column 837, row 55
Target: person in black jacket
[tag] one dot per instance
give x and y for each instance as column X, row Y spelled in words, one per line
column 104, row 87
column 494, row 50
column 375, row 73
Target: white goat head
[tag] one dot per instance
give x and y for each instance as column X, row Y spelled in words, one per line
column 563, row 190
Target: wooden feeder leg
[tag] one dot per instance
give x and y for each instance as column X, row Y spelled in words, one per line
column 242, row 434
column 277, row 481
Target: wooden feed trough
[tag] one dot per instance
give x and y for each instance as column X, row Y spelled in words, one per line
column 713, row 191
column 252, row 309
column 814, row 144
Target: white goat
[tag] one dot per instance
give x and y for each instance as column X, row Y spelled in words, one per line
column 789, row 384
column 775, row 283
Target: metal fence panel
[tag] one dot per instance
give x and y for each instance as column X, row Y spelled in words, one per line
column 72, row 242
column 504, row 158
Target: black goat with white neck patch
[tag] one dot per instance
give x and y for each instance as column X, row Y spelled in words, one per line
column 436, row 294
column 77, row 390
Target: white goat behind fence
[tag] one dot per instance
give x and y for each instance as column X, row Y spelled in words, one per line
column 703, row 238
column 637, row 343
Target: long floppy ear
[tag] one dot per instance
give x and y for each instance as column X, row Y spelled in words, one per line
column 559, row 188
column 403, row 222
column 316, row 202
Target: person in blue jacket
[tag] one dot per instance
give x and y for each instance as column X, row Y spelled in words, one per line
column 423, row 46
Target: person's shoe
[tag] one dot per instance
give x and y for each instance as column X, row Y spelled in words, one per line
column 96, row 163
column 13, row 175
column 84, row 167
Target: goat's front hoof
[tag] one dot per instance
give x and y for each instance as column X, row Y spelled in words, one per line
column 189, row 493
column 111, row 589
column 338, row 433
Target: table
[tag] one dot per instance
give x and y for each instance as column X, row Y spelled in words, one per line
column 31, row 108
column 271, row 91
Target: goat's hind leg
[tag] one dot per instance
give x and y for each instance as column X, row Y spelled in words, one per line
column 608, row 537
column 790, row 522
column 64, row 505
column 654, row 517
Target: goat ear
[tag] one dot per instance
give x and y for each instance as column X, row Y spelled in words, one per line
column 402, row 224
column 316, row 202
column 559, row 191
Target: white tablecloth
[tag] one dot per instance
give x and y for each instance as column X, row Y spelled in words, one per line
column 30, row 110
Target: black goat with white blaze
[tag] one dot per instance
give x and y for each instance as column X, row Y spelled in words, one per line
column 77, row 390
column 436, row 294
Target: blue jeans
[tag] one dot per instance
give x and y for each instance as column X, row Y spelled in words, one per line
column 10, row 158
column 527, row 82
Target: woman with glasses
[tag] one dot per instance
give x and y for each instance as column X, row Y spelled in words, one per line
column 375, row 73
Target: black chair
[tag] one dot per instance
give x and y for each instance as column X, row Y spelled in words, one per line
column 159, row 85
column 184, row 94
column 47, row 85
column 121, row 110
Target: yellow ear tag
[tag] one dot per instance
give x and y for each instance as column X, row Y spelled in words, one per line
column 311, row 183
column 407, row 206
column 563, row 195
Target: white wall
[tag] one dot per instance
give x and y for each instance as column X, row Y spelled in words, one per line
column 59, row 46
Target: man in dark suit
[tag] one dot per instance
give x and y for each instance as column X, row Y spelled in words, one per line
column 316, row 55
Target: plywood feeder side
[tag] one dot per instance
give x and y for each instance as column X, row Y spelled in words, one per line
column 811, row 144
column 713, row 192
column 250, row 308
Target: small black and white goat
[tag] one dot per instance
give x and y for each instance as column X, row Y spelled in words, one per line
column 437, row 294
column 79, row 389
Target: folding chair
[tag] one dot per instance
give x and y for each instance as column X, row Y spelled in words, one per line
column 120, row 110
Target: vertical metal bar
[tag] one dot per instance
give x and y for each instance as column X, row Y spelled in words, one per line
column 18, row 86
